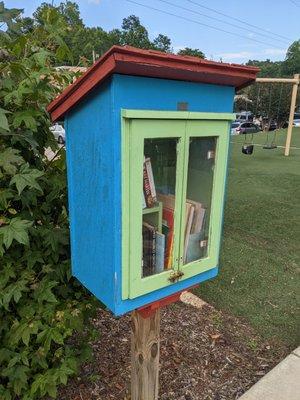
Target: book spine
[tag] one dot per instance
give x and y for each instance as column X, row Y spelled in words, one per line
column 170, row 255
column 147, row 190
column 160, row 252
column 144, row 201
column 153, row 258
column 151, row 179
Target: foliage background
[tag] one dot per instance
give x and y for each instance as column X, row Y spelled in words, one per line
column 41, row 306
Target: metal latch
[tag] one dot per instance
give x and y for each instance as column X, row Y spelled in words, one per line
column 175, row 276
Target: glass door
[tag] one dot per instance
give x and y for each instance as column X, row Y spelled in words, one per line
column 156, row 163
column 206, row 147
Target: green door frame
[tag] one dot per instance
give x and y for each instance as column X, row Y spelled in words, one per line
column 138, row 125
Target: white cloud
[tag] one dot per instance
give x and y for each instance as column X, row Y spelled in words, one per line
column 178, row 48
column 275, row 52
column 251, row 54
column 94, row 1
column 232, row 56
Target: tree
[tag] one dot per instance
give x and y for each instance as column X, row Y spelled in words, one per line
column 268, row 68
column 187, row 51
column 86, row 40
column 162, row 43
column 69, row 10
column 71, row 13
column 134, row 34
column 291, row 65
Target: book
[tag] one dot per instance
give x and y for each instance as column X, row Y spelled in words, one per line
column 151, row 178
column 168, row 200
column 199, row 215
column 144, row 202
column 146, row 188
column 170, row 258
column 189, row 218
column 149, row 249
column 160, row 252
column 168, row 221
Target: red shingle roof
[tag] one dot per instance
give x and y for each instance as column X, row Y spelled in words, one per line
column 132, row 61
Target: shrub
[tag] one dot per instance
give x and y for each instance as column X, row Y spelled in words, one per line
column 41, row 306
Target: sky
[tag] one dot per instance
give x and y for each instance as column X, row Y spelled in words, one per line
column 230, row 30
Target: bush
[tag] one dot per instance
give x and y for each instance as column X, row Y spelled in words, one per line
column 41, row 306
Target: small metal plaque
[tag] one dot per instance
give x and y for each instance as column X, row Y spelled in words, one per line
column 203, row 243
column 182, row 106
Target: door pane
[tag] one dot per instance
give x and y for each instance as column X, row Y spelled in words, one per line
column 198, row 198
column 158, row 199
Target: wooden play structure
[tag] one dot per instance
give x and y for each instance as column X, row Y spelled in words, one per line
column 295, row 82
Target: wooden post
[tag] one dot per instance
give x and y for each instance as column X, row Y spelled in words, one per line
column 291, row 118
column 145, row 346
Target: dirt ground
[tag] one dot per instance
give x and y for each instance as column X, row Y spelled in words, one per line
column 205, row 355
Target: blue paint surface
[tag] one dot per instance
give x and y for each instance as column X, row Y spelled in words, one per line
column 136, row 92
column 91, row 173
column 93, row 136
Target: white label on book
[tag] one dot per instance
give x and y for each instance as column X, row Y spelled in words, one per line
column 210, row 154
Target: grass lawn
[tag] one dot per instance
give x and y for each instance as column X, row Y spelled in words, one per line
column 260, row 259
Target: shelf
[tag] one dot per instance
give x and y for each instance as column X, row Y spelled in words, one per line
column 153, row 215
column 150, row 210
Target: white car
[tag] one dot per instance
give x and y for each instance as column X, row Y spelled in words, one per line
column 296, row 123
column 59, row 133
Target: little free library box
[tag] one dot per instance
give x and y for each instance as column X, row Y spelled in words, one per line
column 147, row 138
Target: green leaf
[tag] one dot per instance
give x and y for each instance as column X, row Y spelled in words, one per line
column 17, row 229
column 55, row 237
column 22, row 331
column 4, row 393
column 13, row 291
column 43, row 292
column 48, row 335
column 9, row 158
column 5, row 195
column 27, row 117
column 18, row 377
column 3, row 120
column 27, row 177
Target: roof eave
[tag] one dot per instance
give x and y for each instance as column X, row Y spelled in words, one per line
column 127, row 60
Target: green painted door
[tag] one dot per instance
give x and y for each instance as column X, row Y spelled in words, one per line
column 173, row 176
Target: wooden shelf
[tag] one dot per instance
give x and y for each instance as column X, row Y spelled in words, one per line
column 150, row 210
column 153, row 215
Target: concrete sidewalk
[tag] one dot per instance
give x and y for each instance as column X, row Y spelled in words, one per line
column 281, row 383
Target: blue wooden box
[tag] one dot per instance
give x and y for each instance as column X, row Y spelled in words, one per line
column 126, row 89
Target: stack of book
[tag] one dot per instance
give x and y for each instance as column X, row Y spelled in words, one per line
column 153, row 250
column 194, row 224
column 158, row 241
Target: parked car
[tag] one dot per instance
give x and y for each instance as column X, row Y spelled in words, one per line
column 59, row 133
column 234, row 126
column 244, row 116
column 296, row 123
column 238, row 128
column 272, row 126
